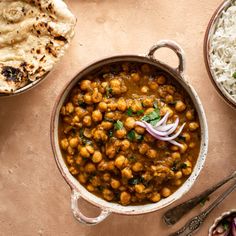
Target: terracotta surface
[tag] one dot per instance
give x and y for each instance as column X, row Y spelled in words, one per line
column 35, row 199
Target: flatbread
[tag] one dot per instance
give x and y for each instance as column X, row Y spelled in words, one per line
column 33, row 36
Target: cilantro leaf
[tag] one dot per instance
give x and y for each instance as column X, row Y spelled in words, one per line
column 140, row 112
column 108, row 92
column 132, row 135
column 234, row 74
column 129, row 111
column 153, row 117
column 118, row 125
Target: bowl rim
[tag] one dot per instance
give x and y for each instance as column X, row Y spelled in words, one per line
column 206, row 45
column 218, row 219
column 115, row 207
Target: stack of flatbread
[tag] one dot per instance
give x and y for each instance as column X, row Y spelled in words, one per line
column 33, row 36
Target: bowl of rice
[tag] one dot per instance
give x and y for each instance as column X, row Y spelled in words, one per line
column 220, row 51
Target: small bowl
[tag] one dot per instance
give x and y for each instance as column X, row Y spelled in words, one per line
column 207, row 45
column 217, row 220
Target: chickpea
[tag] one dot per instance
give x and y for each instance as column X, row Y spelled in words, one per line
column 193, row 126
column 176, row 155
column 106, row 125
column 90, row 188
column 127, row 173
column 190, row 115
column 166, row 109
column 125, row 198
column 156, row 197
column 153, row 85
column 90, row 167
column 188, row 163
column 100, row 135
column 121, row 162
column 178, row 174
column 135, row 77
column 115, row 86
column 180, row 106
column 96, row 181
column 102, row 106
column 125, row 144
column 149, row 138
column 64, row 144
column 87, row 121
column 87, row 133
column 69, row 159
column 136, row 106
column 137, row 166
column 90, row 149
column 187, row 171
column 139, row 188
column 161, row 79
column 143, row 148
column 96, row 96
column 70, row 107
column 115, row 183
column 174, row 148
column 111, row 165
column 70, row 150
column 121, row 104
column 106, row 177
column 192, row 145
column 97, row 157
column 85, row 85
column 80, row 111
column 139, row 129
column 84, row 152
column 161, row 144
column 148, row 111
column 75, row 119
column 144, row 89
column 111, row 106
column 129, row 123
column 74, row 142
column 151, row 153
column 110, row 115
column 183, row 148
column 178, row 182
column 97, row 116
column 79, row 160
column 108, row 194
column 82, row 178
column 111, row 151
column 165, row 192
column 120, row 133
column 73, row 170
column 169, row 99
column 148, row 102
column 186, row 136
column 88, row 98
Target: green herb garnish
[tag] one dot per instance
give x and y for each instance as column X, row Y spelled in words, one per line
column 108, row 92
column 110, row 133
column 203, row 202
column 152, row 117
column 129, row 112
column 225, row 224
column 134, row 181
column 118, row 125
column 132, row 135
column 183, row 166
column 140, row 112
column 234, row 74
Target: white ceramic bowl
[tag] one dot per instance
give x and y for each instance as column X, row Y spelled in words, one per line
column 109, row 207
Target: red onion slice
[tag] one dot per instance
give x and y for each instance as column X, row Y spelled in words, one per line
column 163, row 120
column 164, row 127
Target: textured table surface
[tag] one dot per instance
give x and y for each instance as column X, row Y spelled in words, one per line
column 34, row 198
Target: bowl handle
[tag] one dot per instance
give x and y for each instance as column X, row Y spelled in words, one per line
column 75, row 196
column 173, row 46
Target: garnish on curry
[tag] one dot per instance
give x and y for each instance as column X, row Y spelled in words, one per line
column 109, row 153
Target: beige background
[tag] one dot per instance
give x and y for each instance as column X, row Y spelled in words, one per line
column 34, row 198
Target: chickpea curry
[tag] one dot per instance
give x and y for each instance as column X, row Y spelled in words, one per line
column 112, row 156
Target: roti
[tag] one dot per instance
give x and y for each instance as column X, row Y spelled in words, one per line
column 33, row 37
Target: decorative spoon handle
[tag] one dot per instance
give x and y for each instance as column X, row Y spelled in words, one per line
column 175, row 214
column 194, row 224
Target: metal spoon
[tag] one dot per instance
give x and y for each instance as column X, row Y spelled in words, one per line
column 175, row 214
column 194, row 224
